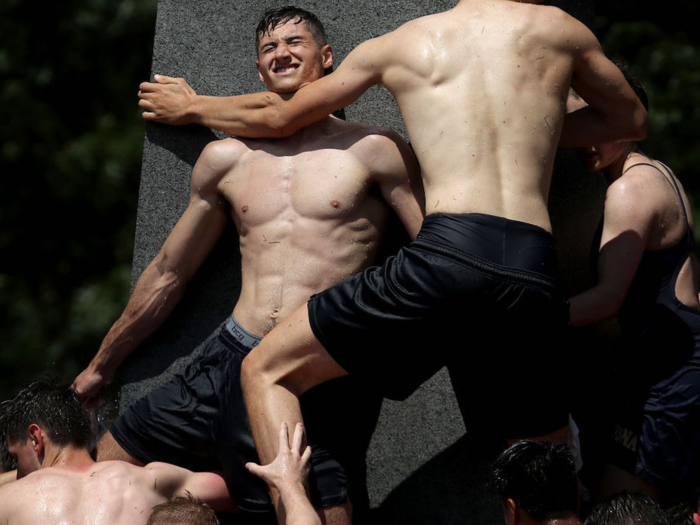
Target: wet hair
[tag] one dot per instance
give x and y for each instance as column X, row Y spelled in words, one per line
column 281, row 15
column 183, row 510
column 540, row 477
column 634, row 82
column 7, row 462
column 55, row 408
column 627, row 508
column 680, row 514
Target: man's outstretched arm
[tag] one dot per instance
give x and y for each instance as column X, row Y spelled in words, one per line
column 163, row 282
column 173, row 101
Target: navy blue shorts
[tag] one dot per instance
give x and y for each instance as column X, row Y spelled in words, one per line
column 655, row 431
column 474, row 292
column 198, row 420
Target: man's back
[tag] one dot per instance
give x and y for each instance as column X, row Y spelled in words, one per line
column 106, row 493
column 482, row 90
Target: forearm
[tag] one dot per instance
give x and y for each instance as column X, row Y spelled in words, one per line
column 585, row 127
column 153, row 299
column 298, row 508
column 592, row 306
column 255, row 115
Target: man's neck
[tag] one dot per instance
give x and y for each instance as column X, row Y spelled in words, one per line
column 68, row 458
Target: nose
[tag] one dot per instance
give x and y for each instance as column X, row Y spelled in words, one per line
column 282, row 52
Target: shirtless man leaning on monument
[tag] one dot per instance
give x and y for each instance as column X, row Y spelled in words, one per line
column 48, row 431
column 308, row 216
column 482, row 89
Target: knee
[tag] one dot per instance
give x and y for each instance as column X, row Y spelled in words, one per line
column 256, row 370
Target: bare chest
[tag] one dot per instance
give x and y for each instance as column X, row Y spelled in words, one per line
column 325, row 185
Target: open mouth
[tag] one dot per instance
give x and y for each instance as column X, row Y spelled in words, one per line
column 285, row 69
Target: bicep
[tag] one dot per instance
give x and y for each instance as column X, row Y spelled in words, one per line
column 202, row 222
column 626, row 227
column 614, row 112
column 399, row 179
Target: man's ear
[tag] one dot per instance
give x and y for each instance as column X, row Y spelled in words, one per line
column 511, row 512
column 327, row 56
column 257, row 66
column 36, row 435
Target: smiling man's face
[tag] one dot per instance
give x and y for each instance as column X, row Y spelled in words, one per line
column 289, row 57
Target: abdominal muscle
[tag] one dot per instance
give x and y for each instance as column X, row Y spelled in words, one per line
column 281, row 271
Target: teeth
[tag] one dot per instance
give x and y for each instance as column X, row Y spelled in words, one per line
column 284, row 69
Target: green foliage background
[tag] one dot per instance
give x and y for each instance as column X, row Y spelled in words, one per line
column 71, row 141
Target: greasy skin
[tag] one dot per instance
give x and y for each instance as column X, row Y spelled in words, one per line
column 304, row 207
column 482, row 89
column 106, row 493
column 305, row 211
column 642, row 213
column 310, row 210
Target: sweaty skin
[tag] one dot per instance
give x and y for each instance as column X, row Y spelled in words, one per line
column 482, row 89
column 310, row 210
column 105, row 493
column 304, row 206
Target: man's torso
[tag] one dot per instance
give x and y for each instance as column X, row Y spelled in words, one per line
column 482, row 90
column 307, row 214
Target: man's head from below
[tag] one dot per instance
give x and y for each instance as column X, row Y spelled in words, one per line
column 292, row 49
column 183, row 511
column 44, row 416
column 627, row 508
column 536, row 481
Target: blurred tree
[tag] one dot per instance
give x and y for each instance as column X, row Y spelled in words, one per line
column 70, row 151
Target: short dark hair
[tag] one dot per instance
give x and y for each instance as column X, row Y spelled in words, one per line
column 55, row 408
column 540, row 477
column 281, row 15
column 183, row 510
column 680, row 514
column 627, row 508
column 634, row 82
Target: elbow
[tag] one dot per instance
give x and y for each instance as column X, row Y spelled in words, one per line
column 638, row 120
column 640, row 124
column 278, row 122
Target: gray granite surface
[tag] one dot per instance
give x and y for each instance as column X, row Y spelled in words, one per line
column 423, row 468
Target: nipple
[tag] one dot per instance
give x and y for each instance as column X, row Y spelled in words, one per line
column 335, row 204
column 244, row 208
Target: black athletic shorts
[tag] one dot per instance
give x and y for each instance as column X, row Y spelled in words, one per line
column 474, row 292
column 198, row 420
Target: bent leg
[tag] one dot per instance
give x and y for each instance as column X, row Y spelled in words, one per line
column 287, row 362
column 108, row 450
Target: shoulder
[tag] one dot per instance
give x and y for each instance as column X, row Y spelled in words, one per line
column 634, row 197
column 224, row 152
column 378, row 146
column 369, row 136
column 216, row 160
